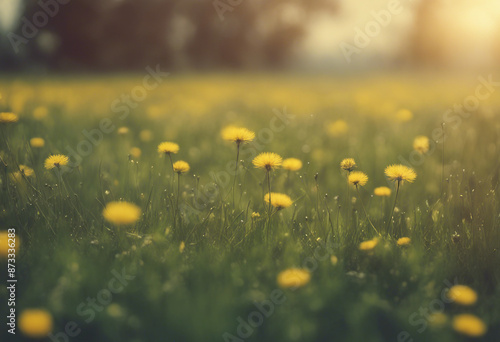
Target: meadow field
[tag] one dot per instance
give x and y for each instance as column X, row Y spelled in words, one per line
column 117, row 241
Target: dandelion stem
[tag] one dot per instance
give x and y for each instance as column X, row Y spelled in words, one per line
column 269, row 206
column 348, row 206
column 236, row 169
column 173, row 175
column 178, row 189
column 59, row 187
column 394, row 206
column 178, row 195
column 364, row 209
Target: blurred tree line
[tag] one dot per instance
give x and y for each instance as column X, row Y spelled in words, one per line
column 131, row 34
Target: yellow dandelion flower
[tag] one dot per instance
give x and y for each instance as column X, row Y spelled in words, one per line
column 145, row 135
column 267, row 160
column 37, row 142
column 4, row 244
column 357, row 178
column 293, row 277
column 8, row 118
column 181, row 167
column 421, row 144
column 135, row 152
column 382, row 191
column 123, row 130
column 348, row 164
column 182, row 246
column 237, row 134
column 403, row 241
column 255, row 215
column 168, row 147
column 400, row 173
column 28, row 171
column 35, row 323
column 292, row 164
column 121, row 213
column 56, row 160
column 404, row 115
column 469, row 325
column 368, row 245
column 279, row 201
column 338, row 128
column 40, row 113
column 462, row 294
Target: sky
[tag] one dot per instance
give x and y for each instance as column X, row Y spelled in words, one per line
column 326, row 34
column 468, row 28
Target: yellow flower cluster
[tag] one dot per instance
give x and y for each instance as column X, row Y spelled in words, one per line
column 404, row 241
column 267, row 160
column 56, row 161
column 293, row 278
column 382, row 191
column 368, row 245
column 4, row 244
column 462, row 294
column 181, row 167
column 348, row 164
column 237, row 134
column 6, row 118
column 421, row 144
column 279, row 201
column 357, row 178
column 37, row 142
column 168, row 147
column 121, row 213
column 35, row 323
column 469, row 325
column 400, row 173
column 292, row 164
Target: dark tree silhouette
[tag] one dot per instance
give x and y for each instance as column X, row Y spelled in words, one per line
column 131, row 34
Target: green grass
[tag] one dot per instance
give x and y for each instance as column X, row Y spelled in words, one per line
column 68, row 251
